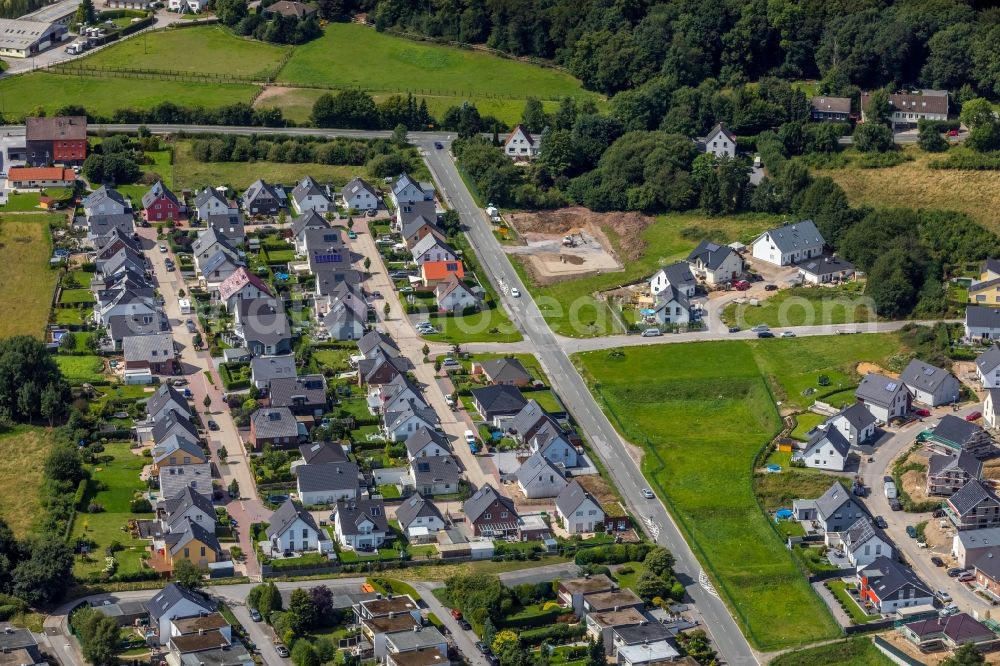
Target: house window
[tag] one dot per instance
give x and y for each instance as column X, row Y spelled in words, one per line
column 187, row 552
column 487, row 516
column 203, row 551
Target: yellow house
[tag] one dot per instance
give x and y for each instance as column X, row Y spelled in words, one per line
column 192, row 543
column 986, row 290
column 176, row 451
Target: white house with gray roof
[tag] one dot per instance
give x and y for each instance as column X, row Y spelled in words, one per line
column 578, row 511
column 864, row 542
column 789, row 244
column 855, row 423
column 968, row 544
column 292, row 528
column 676, row 275
column 326, row 483
column 537, row 477
column 265, row 368
column 988, row 368
column 834, row 511
column 930, row 385
column 434, row 475
column 974, row 507
column 827, row 449
column 360, row 524
column 359, row 195
column 982, row 322
column 990, row 404
column 886, row 398
column 714, row 263
column 310, row 195
column 173, row 602
column 419, row 518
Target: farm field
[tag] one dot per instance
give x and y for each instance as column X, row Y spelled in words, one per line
column 26, row 244
column 351, row 55
column 721, row 398
column 668, row 238
column 21, row 475
column 206, row 50
column 23, row 94
column 915, row 185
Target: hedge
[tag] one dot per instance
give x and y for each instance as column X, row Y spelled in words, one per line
column 540, row 619
column 559, row 632
column 618, row 553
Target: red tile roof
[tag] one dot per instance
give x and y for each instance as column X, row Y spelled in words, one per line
column 40, row 173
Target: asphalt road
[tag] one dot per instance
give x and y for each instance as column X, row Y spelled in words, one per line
column 728, row 638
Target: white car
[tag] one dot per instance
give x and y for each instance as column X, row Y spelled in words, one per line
column 470, row 437
column 515, row 292
column 163, row 248
column 647, row 493
column 788, row 334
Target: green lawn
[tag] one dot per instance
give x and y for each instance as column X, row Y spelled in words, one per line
column 853, row 652
column 721, row 414
column 121, row 477
column 805, row 422
column 190, row 173
column 80, row 369
column 351, row 55
column 805, row 306
column 209, row 49
column 161, row 165
column 570, row 307
column 26, row 244
column 76, row 296
column 21, row 95
column 20, row 202
column 487, row 326
column 21, row 476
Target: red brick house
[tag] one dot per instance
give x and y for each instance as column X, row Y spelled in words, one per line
column 490, row 513
column 56, row 140
column 160, row 204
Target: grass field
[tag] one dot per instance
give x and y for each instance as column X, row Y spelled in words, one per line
column 570, row 308
column 190, row 173
column 25, row 244
column 915, row 185
column 22, row 95
column 80, row 369
column 21, row 476
column 209, row 49
column 805, row 306
column 854, row 652
column 721, row 414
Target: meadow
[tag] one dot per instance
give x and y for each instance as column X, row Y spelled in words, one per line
column 721, row 400
column 26, row 244
column 857, row 651
column 21, row 475
column 805, row 306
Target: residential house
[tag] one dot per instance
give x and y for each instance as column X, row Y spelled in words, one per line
column 359, row 195
column 552, row 442
column 676, row 275
column 453, row 295
column 321, row 453
column 985, row 565
column 343, row 312
column 375, row 630
column 506, row 370
column 326, row 251
column 719, row 142
column 308, row 195
column 395, row 395
column 399, row 425
column 174, row 423
column 889, row 586
column 52, row 139
column 435, row 475
column 425, row 443
column 990, row 407
column 173, row 602
column 360, row 524
column 789, row 244
column 290, row 9
column 419, row 519
column 648, row 654
column 304, row 395
column 99, row 228
column 217, row 269
column 974, row 506
column 982, row 322
column 159, row 204
column 886, row 398
column 384, row 606
column 116, row 256
column 242, row 285
column 212, row 201
column 165, row 399
column 988, row 367
column 326, row 483
column 432, row 248
column 490, row 513
column 498, row 403
column 715, row 264
column 908, row 109
column 949, row 632
column 177, row 450
column 615, row 600
column 528, row 421
column 433, row 273
column 374, row 341
column 672, row 307
column 572, row 590
column 864, row 542
column 151, row 354
column 826, row 449
column 407, row 190
column 824, row 269
column 966, row 545
column 188, row 505
column 830, row 109
column 834, row 511
column 414, row 227
column 382, row 368
column 946, row 474
column 275, row 427
column 930, row 385
column 520, row 144
column 18, row 647
column 424, row 656
column 264, row 199
column 420, row 639
column 601, row 623
column 174, row 479
column 986, row 290
column 293, row 529
column 265, row 368
column 187, row 540
column 303, row 223
column 653, row 638
column 230, row 226
column 855, row 423
column 578, row 511
column 208, row 243
column 105, row 201
column 36, row 178
column 537, row 478
column 262, row 327
column 953, row 434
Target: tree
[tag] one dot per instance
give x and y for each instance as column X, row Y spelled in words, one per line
column 348, row 108
column 223, row 454
column 984, row 138
column 322, row 599
column 533, row 117
column 207, row 401
column 40, row 577
column 595, row 652
column 98, row 636
column 660, row 561
column 65, row 463
column 976, row 113
column 930, row 139
column 303, row 654
column 53, row 404
column 234, row 488
column 650, row 585
column 189, row 575
column 385, row 310
column 878, row 111
column 451, row 222
column 399, row 136
column 26, row 370
column 368, row 263
column 265, row 598
column 85, row 13
column 966, row 655
column 873, row 138
column 489, row 631
column 503, row 640
column 302, row 610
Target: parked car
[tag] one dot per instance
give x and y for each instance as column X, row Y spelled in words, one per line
column 923, row 413
column 281, row 650
column 938, row 513
column 943, row 596
column 953, row 133
column 190, row 326
column 647, row 493
column 212, row 425
column 482, row 647
column 734, row 329
column 255, row 615
column 163, row 248
column 974, row 416
column 438, row 145
column 950, row 609
column 449, row 362
column 171, row 268
column 770, row 287
column 888, row 479
column 911, row 531
column 937, row 561
column 180, row 381
column 760, row 327
column 741, row 285
column 765, row 334
column 352, row 234
column 880, row 522
column 457, row 614
column 651, row 333
column 955, row 572
column 895, row 505
column 788, row 334
column 465, row 625
column 966, row 576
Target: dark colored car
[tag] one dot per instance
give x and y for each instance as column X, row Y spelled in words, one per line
column 770, row 287
column 966, row 576
column 911, row 531
column 888, row 479
column 937, row 561
column 482, row 647
column 955, row 572
column 734, row 329
column 765, row 334
column 212, row 425
column 974, row 416
column 880, row 521
column 741, row 285
column 895, row 505
column 465, row 625
column 938, row 513
column 438, row 145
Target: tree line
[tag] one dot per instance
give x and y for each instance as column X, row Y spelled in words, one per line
column 276, row 29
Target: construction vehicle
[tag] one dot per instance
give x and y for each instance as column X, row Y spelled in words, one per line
column 569, row 241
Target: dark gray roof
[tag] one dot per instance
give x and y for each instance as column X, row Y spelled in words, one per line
column 499, row 399
column 535, row 466
column 861, row 531
column 961, row 628
column 426, row 414
column 983, row 284
column 151, row 347
column 263, row 320
column 679, row 274
column 263, row 190
column 308, row 187
column 527, row 420
column 170, row 596
column 368, row 366
column 355, row 185
column 412, row 224
column 964, row 461
column 413, row 210
column 980, row 316
column 209, row 237
column 572, row 496
column 711, row 254
column 102, row 225
column 162, row 396
column 352, row 513
column 886, row 577
column 372, row 339
column 825, row 264
column 507, row 369
column 831, row 435
column 795, row 236
column 435, row 469
column 831, row 104
column 274, row 422
column 319, row 453
column 924, row 376
column 989, row 359
column 857, row 415
column 286, row 391
column 216, row 262
column 177, row 442
column 284, row 517
column 267, row 368
column 229, row 225
column 835, row 497
column 173, row 422
column 635, row 634
column 422, row 437
column 957, row 430
column 672, row 294
column 14, row 638
column 208, row 194
column 879, row 389
column 186, row 499
column 416, row 506
column 328, row 476
column 475, row 506
column 970, row 496
column 183, row 532
column 105, row 194
column 427, row 242
column 986, row 560
column 308, row 220
column 158, row 191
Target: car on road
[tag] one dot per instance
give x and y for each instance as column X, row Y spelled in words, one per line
column 438, row 145
column 281, row 650
column 170, row 268
column 880, row 522
column 515, row 292
column 974, row 416
column 911, row 531
column 465, row 625
column 376, row 294
column 163, row 248
column 788, row 334
column 966, row 576
column 937, row 561
column 190, row 326
column 923, row 413
column 651, row 332
column 955, row 572
column 895, row 505
column 741, row 285
column 734, row 329
column 760, row 327
column 765, row 334
column 647, row 493
column 950, row 609
column 352, row 234
column 482, row 647
column 943, row 596
column 255, row 615
column 212, row 425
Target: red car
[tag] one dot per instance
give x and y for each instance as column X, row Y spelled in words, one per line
column 953, row 132
column 741, row 285
column 923, row 413
column 974, row 416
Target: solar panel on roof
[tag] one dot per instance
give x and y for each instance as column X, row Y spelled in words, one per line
column 891, row 386
column 928, row 371
column 711, row 247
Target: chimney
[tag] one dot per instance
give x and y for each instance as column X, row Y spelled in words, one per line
column 201, row 632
